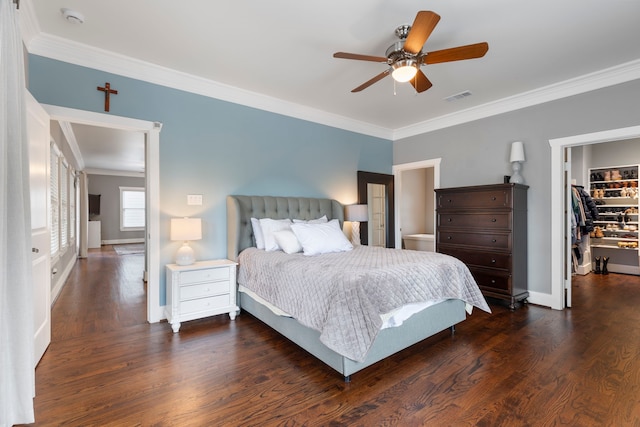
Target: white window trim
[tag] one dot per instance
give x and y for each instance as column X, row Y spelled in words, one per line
column 54, row 214
column 122, row 227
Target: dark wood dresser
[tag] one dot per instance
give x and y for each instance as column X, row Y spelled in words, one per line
column 485, row 226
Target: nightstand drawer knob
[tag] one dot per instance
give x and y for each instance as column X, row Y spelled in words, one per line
column 493, row 281
column 449, row 237
column 493, row 240
column 493, row 261
column 449, row 219
column 493, row 220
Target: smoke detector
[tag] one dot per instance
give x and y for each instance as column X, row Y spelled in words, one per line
column 72, row 16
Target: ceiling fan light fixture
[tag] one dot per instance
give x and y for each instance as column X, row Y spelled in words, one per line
column 404, row 70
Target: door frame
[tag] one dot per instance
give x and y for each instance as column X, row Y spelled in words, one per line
column 152, row 177
column 559, row 231
column 397, row 173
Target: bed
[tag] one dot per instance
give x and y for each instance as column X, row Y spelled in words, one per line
column 436, row 317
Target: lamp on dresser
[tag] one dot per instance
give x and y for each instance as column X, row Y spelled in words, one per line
column 356, row 214
column 186, row 229
column 516, row 158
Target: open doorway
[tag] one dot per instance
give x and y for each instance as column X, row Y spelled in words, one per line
column 560, row 220
column 416, row 220
column 151, row 132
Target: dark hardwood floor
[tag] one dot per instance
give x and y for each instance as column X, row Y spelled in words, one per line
column 531, row 367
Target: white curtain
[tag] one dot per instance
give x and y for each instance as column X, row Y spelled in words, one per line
column 84, row 216
column 17, row 384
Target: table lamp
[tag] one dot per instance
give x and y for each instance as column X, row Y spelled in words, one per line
column 186, row 229
column 356, row 214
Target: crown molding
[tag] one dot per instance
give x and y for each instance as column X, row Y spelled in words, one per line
column 29, row 27
column 608, row 77
column 68, row 133
column 57, row 48
column 61, row 49
column 110, row 172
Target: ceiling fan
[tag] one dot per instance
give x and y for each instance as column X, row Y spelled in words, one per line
column 405, row 57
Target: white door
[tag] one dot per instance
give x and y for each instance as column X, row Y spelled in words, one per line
column 38, row 134
column 568, row 212
column 377, row 214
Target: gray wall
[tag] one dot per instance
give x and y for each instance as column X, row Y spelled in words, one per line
column 108, row 186
column 478, row 153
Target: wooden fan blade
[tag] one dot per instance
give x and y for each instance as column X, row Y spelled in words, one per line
column 421, row 82
column 457, row 53
column 377, row 78
column 345, row 55
column 420, row 31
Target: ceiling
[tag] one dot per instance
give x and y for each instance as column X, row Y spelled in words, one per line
column 277, row 54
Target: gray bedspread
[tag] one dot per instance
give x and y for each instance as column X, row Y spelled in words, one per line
column 342, row 295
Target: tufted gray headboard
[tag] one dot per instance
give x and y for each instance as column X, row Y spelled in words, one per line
column 240, row 210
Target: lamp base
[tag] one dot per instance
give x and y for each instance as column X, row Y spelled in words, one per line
column 185, row 255
column 355, row 233
column 516, row 178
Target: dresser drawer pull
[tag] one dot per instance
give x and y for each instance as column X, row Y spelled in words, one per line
column 493, row 261
column 493, row 281
column 494, row 198
column 449, row 219
column 493, row 220
column 493, row 240
column 449, row 237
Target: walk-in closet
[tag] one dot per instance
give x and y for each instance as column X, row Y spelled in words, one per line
column 605, row 207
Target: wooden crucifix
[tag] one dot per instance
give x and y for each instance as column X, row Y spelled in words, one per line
column 107, row 94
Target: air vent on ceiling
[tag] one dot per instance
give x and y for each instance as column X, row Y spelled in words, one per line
column 458, row 96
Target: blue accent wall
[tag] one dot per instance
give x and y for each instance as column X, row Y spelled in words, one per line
column 216, row 148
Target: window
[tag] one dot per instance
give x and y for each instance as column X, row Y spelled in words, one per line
column 55, row 207
column 132, row 214
column 64, row 204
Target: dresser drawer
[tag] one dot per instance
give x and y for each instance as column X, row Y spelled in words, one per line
column 205, row 275
column 494, row 241
column 204, row 304
column 479, row 258
column 489, row 198
column 482, row 221
column 203, row 290
column 492, row 280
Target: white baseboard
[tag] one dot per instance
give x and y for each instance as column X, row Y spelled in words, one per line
column 62, row 279
column 122, row 241
column 538, row 298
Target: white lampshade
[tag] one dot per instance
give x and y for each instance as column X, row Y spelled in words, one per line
column 186, row 229
column 517, row 152
column 359, row 213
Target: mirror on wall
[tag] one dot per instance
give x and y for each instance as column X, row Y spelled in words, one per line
column 376, row 190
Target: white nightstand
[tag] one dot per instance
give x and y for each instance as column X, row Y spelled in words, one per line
column 204, row 288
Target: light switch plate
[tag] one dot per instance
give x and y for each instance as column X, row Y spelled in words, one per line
column 194, row 199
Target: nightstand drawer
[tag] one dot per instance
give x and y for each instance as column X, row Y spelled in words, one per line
column 204, row 304
column 203, row 289
column 206, row 275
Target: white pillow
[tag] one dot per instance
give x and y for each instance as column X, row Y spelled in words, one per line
column 269, row 226
column 257, row 233
column 321, row 238
column 320, row 220
column 287, row 241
